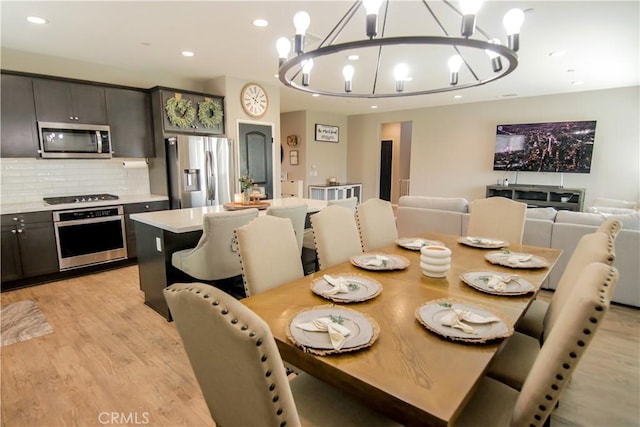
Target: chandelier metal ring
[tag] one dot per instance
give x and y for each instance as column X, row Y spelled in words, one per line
column 503, row 51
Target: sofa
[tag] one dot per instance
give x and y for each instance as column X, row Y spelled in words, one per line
column 545, row 227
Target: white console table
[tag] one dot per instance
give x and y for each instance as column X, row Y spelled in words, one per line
column 332, row 192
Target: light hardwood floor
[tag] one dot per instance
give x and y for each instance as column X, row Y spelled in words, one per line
column 113, row 361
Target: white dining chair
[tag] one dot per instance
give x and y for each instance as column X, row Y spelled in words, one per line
column 214, row 257
column 497, row 218
column 336, row 235
column 269, row 253
column 239, row 369
column 592, row 247
column 297, row 214
column 497, row 404
column 376, row 224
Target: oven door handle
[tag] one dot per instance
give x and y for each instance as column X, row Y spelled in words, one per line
column 88, row 221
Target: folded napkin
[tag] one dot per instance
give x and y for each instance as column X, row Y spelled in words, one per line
column 499, row 283
column 377, row 261
column 337, row 333
column 484, row 240
column 340, row 285
column 517, row 259
column 417, row 243
column 454, row 318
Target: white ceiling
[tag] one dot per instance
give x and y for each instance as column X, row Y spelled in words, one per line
column 601, row 41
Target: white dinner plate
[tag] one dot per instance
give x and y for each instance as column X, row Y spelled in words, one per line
column 391, row 262
column 363, row 289
column 480, row 279
column 416, row 243
column 483, row 242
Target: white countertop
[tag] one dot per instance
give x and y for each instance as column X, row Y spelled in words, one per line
column 190, row 219
column 15, row 208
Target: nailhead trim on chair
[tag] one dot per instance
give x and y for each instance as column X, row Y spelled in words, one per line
column 244, row 277
column 252, row 334
column 573, row 354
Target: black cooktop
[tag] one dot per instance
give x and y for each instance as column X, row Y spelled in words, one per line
column 79, row 199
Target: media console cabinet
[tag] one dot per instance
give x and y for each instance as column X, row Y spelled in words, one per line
column 541, row 196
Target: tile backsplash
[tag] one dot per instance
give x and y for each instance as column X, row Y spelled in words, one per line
column 29, row 180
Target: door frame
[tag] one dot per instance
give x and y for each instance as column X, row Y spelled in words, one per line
column 275, row 154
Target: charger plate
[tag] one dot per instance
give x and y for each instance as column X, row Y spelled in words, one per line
column 409, row 243
column 364, row 330
column 502, row 258
column 395, row 262
column 429, row 316
column 368, row 288
column 479, row 280
column 232, row 206
column 483, row 242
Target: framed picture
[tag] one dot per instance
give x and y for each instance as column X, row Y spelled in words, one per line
column 327, row 133
column 293, row 157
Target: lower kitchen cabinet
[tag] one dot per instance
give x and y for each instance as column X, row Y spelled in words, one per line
column 28, row 246
column 133, row 208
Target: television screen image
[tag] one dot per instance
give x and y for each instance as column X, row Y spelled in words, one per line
column 545, row 147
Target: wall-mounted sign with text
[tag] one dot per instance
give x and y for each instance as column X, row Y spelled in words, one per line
column 327, row 133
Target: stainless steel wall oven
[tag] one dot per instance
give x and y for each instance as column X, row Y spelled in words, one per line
column 90, row 236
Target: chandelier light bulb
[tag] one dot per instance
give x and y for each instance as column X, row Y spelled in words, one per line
column 372, row 8
column 347, row 73
column 469, row 10
column 400, row 73
column 470, row 7
column 455, row 62
column 301, row 21
column 512, row 21
column 306, row 69
column 283, row 46
column 496, row 62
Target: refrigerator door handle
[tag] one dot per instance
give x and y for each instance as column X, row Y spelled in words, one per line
column 208, row 168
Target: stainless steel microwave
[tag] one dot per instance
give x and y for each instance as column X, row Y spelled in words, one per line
column 74, row 141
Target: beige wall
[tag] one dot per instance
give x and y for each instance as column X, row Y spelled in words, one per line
column 452, row 147
column 294, row 123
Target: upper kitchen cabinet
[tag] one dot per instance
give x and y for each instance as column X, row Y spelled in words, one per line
column 65, row 102
column 19, row 132
column 185, row 112
column 129, row 116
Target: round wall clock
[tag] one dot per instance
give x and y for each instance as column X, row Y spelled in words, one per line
column 254, row 100
column 292, row 140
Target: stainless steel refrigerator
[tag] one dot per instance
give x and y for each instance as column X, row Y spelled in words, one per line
column 201, row 171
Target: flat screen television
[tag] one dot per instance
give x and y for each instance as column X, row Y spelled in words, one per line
column 545, row 147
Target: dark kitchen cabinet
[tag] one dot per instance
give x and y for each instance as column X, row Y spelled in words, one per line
column 19, row 134
column 133, row 208
column 199, row 103
column 66, row 102
column 129, row 116
column 28, row 245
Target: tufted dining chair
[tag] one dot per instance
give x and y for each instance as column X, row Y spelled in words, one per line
column 239, row 369
column 593, row 247
column 336, row 235
column 214, row 257
column 376, row 224
column 496, row 404
column 497, row 218
column 350, row 203
column 611, row 227
column 512, row 363
column 297, row 214
column 269, row 254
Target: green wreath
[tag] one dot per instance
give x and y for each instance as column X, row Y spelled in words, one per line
column 181, row 113
column 209, row 113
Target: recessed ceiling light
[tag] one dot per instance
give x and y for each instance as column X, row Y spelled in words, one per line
column 457, row 96
column 353, row 57
column 36, row 20
column 260, row 22
column 557, row 53
column 577, row 82
column 373, row 107
column 316, row 94
column 187, row 53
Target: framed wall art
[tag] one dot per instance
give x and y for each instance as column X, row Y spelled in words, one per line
column 293, row 157
column 327, row 133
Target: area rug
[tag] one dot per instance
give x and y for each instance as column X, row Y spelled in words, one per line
column 22, row 321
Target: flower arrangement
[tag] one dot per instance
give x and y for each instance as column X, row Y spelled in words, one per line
column 246, row 182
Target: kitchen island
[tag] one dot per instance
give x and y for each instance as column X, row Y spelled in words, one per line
column 160, row 234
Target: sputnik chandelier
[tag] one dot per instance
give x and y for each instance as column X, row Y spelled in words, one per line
column 385, row 66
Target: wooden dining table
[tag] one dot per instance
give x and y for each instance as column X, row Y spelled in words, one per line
column 410, row 374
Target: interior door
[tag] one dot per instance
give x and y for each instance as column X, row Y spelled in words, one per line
column 256, row 155
column 386, row 159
